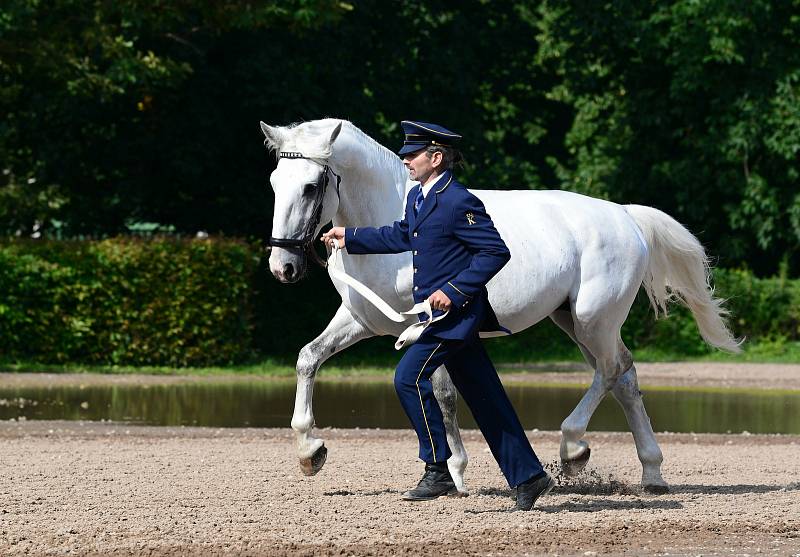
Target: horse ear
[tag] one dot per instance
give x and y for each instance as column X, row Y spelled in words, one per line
column 335, row 133
column 274, row 136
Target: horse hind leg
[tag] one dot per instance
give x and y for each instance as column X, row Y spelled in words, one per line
column 627, row 393
column 596, row 329
column 575, row 452
column 446, row 395
column 616, row 372
column 341, row 332
column 563, row 318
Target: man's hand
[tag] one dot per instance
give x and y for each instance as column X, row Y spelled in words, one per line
column 335, row 233
column 440, row 301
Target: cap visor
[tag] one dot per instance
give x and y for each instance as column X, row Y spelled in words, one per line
column 411, row 148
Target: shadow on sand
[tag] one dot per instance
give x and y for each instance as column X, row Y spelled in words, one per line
column 739, row 489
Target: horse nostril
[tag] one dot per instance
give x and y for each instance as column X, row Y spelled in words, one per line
column 288, row 271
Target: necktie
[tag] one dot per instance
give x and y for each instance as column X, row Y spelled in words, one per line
column 418, row 201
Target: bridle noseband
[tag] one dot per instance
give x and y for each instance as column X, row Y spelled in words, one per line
column 306, row 242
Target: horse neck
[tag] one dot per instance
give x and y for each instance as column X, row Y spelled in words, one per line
column 373, row 183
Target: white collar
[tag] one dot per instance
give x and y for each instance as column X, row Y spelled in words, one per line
column 429, row 186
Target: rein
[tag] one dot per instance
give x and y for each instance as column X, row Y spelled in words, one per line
column 306, row 243
column 412, row 332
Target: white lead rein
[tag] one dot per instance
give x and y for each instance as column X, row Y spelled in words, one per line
column 413, row 332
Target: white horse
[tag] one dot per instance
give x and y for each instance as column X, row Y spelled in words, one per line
column 577, row 260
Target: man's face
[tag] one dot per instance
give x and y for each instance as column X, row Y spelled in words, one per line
column 420, row 166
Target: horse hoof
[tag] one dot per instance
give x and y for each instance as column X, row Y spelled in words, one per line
column 313, row 464
column 656, row 489
column 575, row 466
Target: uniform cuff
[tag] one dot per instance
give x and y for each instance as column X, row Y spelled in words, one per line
column 456, row 296
column 350, row 243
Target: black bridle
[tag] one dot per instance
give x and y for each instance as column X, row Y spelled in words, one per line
column 306, row 242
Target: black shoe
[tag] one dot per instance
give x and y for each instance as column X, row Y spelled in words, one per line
column 434, row 483
column 528, row 492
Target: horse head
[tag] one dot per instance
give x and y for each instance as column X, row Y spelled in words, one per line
column 306, row 192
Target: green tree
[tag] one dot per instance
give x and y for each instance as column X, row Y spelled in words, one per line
column 689, row 106
column 86, row 86
column 147, row 112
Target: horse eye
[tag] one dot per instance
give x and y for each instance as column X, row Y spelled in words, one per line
column 310, row 189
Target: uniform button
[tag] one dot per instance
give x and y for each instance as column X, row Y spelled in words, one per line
column 415, row 252
column 415, row 270
column 415, row 234
column 416, row 288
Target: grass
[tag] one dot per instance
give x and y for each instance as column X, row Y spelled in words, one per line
column 767, row 352
column 266, row 368
column 342, row 366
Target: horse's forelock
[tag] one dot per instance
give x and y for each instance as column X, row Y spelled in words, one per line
column 310, row 138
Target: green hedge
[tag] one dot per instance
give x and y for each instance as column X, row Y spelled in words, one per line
column 126, row 301
column 213, row 302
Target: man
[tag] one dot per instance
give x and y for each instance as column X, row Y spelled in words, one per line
column 456, row 251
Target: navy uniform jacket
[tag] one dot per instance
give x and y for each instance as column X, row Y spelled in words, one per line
column 455, row 248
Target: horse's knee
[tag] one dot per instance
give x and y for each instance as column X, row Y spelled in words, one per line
column 307, row 362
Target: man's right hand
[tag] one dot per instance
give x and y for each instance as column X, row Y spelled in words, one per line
column 335, row 233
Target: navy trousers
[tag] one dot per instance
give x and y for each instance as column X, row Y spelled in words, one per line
column 476, row 379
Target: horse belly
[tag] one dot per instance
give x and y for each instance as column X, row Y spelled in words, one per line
column 530, row 287
column 544, row 266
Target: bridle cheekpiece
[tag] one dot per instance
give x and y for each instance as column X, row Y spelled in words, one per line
column 306, row 242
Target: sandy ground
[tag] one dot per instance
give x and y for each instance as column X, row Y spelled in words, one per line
column 71, row 488
column 681, row 374
column 113, row 489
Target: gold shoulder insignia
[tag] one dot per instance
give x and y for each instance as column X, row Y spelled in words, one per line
column 470, row 218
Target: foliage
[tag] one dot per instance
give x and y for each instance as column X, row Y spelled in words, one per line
column 168, row 302
column 765, row 309
column 693, row 107
column 122, row 301
column 101, row 96
column 128, row 112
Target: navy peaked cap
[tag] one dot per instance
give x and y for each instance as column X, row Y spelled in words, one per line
column 422, row 134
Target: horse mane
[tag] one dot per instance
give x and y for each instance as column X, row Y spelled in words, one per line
column 378, row 155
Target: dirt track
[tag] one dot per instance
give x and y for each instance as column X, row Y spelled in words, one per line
column 72, row 488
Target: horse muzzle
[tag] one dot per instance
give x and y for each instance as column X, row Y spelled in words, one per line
column 288, row 265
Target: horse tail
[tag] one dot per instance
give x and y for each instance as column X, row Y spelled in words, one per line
column 678, row 270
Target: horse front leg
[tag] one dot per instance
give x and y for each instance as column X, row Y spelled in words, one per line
column 447, row 396
column 341, row 332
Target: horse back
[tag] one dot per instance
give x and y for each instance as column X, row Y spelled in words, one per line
column 558, row 241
